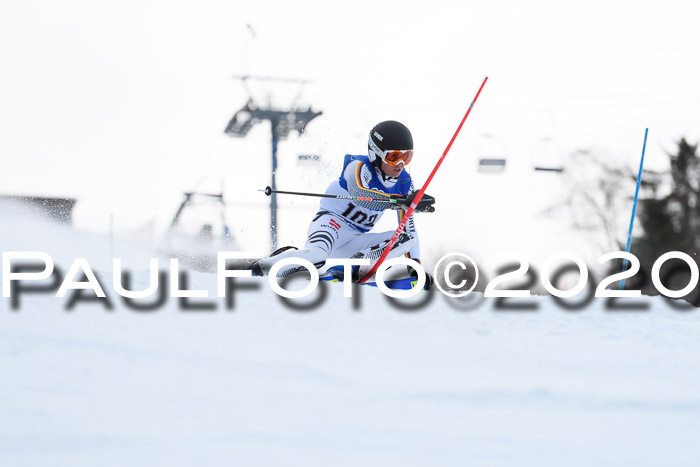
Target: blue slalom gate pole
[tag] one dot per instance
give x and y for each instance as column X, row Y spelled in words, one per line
column 634, row 207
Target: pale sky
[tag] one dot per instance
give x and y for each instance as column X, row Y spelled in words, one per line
column 123, row 104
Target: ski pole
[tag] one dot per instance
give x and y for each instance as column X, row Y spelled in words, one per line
column 268, row 191
column 420, row 194
column 634, row 208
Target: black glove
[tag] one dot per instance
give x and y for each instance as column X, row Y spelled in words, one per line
column 424, row 205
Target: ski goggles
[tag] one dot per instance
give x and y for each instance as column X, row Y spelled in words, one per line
column 394, row 158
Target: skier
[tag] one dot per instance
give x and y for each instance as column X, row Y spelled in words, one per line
column 341, row 227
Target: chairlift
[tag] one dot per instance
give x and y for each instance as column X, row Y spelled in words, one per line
column 492, row 164
column 196, row 238
column 547, row 156
column 491, row 148
column 549, row 169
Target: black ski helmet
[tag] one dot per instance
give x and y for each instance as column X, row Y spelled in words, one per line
column 387, row 136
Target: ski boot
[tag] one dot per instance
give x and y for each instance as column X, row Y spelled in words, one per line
column 256, row 268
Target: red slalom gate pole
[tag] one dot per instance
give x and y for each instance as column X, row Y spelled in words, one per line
column 420, row 194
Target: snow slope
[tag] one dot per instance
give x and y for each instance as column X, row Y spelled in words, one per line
column 265, row 385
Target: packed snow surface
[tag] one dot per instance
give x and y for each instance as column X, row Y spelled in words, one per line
column 343, row 384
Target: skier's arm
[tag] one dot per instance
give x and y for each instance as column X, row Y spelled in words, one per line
column 358, row 176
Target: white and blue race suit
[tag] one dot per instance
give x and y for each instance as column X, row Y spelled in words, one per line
column 341, row 227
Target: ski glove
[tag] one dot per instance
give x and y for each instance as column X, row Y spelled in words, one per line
column 424, row 205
